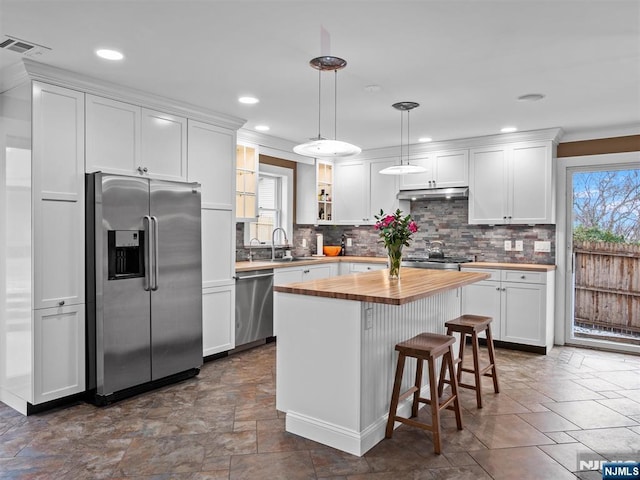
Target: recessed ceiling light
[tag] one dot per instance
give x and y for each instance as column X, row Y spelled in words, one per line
column 108, row 54
column 530, row 97
column 262, row 128
column 509, row 129
column 248, row 100
column 372, row 88
column 425, row 139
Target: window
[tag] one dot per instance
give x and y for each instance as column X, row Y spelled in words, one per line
column 275, row 205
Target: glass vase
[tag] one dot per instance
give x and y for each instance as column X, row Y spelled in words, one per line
column 395, row 259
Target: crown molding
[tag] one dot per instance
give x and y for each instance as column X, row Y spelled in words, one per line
column 418, row 150
column 76, row 81
column 12, row 76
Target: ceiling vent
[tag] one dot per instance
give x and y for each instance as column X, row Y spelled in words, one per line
column 22, row 47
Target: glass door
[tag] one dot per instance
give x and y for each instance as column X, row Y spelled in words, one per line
column 603, row 242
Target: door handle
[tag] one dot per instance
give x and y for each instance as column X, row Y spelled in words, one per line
column 154, row 285
column 147, row 252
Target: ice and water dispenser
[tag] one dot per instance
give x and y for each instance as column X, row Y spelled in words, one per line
column 126, row 253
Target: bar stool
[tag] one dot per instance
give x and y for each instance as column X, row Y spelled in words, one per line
column 472, row 325
column 429, row 347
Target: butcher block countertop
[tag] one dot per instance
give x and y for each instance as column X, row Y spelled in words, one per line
column 267, row 264
column 376, row 287
column 529, row 267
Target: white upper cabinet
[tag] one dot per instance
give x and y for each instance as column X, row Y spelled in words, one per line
column 211, row 163
column 129, row 140
column 512, row 184
column 350, row 193
column 113, row 136
column 361, row 191
column 58, row 196
column 444, row 169
column 163, row 150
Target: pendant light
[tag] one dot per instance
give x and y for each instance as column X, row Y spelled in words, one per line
column 320, row 147
column 404, row 168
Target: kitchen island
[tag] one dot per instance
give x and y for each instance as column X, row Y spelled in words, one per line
column 335, row 359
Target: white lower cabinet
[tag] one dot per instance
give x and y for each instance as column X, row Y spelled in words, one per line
column 357, row 267
column 218, row 308
column 520, row 302
column 304, row 273
column 59, row 352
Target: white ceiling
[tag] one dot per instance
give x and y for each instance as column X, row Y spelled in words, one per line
column 465, row 62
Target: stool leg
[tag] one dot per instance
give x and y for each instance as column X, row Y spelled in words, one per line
column 492, row 359
column 454, row 387
column 463, row 340
column 418, row 385
column 476, row 368
column 435, row 406
column 443, row 372
column 393, row 408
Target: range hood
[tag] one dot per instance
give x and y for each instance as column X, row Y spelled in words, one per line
column 434, row 193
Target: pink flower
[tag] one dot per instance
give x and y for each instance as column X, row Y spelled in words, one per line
column 413, row 227
column 388, row 220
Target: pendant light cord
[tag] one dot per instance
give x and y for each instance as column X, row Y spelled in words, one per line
column 335, row 105
column 401, row 136
column 319, row 101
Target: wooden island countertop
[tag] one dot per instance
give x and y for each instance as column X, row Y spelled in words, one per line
column 376, row 287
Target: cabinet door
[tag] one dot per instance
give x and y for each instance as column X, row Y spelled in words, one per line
column 218, row 312
column 113, row 136
column 306, row 196
column 451, row 169
column 383, row 190
column 316, row 272
column 488, row 186
column 531, row 186
column 210, row 162
column 282, row 276
column 59, row 353
column 163, row 146
column 523, row 313
column 419, row 180
column 483, row 298
column 218, row 235
column 58, row 195
column 351, row 193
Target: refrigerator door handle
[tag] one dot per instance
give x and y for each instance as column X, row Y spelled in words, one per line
column 154, row 285
column 147, row 252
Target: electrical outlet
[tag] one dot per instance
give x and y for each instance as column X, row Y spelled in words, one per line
column 519, row 246
column 304, row 243
column 368, row 315
column 507, row 245
column 544, row 247
column 349, row 242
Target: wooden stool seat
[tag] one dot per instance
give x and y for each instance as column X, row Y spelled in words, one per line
column 429, row 347
column 472, row 325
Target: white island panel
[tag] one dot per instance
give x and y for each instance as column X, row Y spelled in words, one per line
column 336, row 362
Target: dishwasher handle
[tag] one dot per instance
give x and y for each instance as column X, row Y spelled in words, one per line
column 250, row 277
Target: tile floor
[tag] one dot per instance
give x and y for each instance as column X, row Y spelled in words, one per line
column 223, row 425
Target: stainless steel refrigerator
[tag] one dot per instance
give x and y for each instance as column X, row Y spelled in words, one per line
column 144, row 284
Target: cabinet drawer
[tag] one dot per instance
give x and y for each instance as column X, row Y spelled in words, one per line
column 523, row 276
column 495, row 274
column 366, row 267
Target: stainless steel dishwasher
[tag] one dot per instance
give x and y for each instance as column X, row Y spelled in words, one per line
column 254, row 306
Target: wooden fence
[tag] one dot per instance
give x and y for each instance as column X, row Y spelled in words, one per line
column 607, row 286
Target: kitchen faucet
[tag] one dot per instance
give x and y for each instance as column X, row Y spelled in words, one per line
column 250, row 252
column 273, row 241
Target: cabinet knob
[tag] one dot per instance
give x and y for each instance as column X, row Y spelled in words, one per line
column 145, row 169
column 140, row 170
column 61, row 303
column 523, row 276
column 504, row 289
column 498, row 288
column 305, row 271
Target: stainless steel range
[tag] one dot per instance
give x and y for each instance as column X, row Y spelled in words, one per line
column 443, row 263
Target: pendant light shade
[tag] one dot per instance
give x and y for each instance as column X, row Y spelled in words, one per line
column 404, row 168
column 320, row 147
